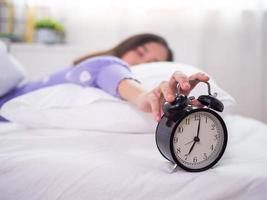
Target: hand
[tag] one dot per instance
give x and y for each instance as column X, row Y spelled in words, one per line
column 189, row 142
column 152, row 101
column 192, row 147
column 196, row 139
column 198, row 127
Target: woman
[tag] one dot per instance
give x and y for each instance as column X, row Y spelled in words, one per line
column 110, row 71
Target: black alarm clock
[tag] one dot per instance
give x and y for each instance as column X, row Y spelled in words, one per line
column 190, row 137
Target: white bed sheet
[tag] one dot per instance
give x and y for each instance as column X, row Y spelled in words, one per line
column 74, row 164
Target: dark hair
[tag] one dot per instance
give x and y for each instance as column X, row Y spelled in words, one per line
column 129, row 44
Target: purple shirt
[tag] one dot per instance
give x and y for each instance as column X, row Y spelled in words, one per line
column 104, row 72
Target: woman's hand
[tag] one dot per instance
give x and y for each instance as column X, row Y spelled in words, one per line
column 152, row 101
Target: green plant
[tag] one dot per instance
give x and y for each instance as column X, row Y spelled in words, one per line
column 49, row 24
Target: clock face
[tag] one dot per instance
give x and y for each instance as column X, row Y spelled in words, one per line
column 199, row 140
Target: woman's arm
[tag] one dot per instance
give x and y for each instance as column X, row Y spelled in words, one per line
column 152, row 101
column 113, row 76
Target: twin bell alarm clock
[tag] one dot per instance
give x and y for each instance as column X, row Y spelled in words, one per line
column 190, row 137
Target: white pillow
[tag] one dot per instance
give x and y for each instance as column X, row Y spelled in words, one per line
column 76, row 107
column 11, row 72
column 151, row 74
column 73, row 106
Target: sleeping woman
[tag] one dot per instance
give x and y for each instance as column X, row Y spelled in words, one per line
column 111, row 71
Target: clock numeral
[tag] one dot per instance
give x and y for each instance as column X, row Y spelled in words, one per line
column 206, row 119
column 178, row 150
column 205, row 156
column 211, row 147
column 187, row 121
column 195, row 159
column 197, row 117
column 180, row 129
column 175, row 139
column 213, row 127
column 216, row 137
column 185, row 156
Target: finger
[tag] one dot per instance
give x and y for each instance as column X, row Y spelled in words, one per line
column 167, row 92
column 161, row 106
column 196, row 78
column 182, row 79
column 196, row 103
column 158, row 92
column 155, row 106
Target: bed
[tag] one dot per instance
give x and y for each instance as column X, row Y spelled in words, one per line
column 50, row 163
column 46, row 155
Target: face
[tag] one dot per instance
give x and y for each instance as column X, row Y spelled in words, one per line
column 149, row 52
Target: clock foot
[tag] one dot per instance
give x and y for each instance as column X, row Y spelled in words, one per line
column 173, row 167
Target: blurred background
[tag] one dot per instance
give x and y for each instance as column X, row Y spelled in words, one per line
column 225, row 38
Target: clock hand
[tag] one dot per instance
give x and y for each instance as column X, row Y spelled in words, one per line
column 191, row 147
column 198, row 127
column 189, row 142
column 196, row 139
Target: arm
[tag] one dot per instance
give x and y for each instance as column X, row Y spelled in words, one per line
column 115, row 78
column 152, row 101
column 104, row 72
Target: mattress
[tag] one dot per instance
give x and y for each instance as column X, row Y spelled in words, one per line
column 80, row 164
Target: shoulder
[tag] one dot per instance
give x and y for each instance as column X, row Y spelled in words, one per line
column 106, row 60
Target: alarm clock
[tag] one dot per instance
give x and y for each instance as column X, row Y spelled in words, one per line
column 190, row 137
